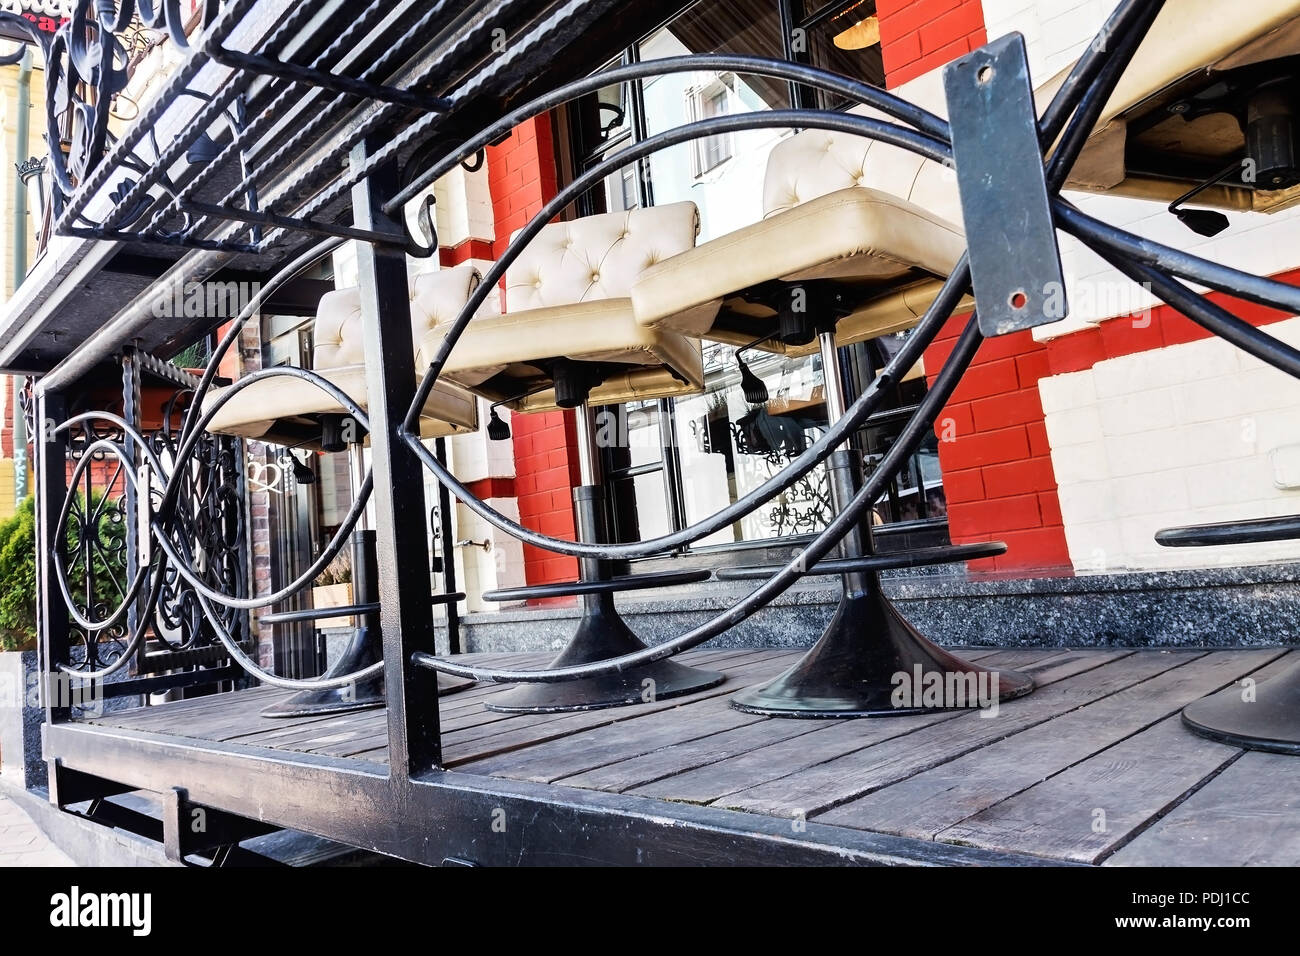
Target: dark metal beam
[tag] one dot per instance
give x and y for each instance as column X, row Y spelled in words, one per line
column 51, row 488
column 446, row 816
column 402, row 547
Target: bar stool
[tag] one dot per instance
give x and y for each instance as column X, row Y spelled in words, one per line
column 832, row 263
column 1270, row 719
column 295, row 413
column 1200, row 97
column 569, row 340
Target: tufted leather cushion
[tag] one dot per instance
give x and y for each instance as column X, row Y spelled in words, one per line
column 597, row 257
column 567, row 298
column 835, row 206
column 863, row 236
column 658, row 363
column 449, row 411
column 279, row 410
column 817, row 162
column 436, row 299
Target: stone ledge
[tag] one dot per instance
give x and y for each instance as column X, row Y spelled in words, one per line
column 1214, row 607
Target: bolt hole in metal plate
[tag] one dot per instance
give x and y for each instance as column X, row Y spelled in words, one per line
column 1014, row 260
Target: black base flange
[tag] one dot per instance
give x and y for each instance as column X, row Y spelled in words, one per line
column 865, row 660
column 1270, row 721
column 602, row 633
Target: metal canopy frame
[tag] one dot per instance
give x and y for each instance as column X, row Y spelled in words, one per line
column 389, row 809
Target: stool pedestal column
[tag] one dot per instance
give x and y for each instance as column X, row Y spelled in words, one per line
column 869, row 661
column 602, row 633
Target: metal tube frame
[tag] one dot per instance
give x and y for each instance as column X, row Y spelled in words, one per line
column 223, row 773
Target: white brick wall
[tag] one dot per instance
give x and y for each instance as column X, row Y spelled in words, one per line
column 1181, row 435
column 464, row 206
column 1056, row 31
column 499, row 567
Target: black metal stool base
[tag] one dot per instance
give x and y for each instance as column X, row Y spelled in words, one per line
column 602, row 634
column 864, row 661
column 363, row 649
column 1269, row 722
column 342, row 700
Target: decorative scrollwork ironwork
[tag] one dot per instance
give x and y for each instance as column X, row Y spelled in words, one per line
column 88, row 61
column 94, row 549
column 208, row 523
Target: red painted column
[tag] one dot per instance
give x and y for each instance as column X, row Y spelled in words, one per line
column 522, row 177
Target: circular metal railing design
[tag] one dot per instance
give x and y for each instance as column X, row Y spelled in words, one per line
column 179, row 536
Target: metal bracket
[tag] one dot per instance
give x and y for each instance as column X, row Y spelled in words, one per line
column 189, row 828
column 1014, row 260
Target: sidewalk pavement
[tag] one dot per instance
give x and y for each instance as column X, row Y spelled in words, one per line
column 21, row 841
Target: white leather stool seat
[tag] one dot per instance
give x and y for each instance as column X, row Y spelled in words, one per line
column 449, row 411
column 863, row 237
column 1188, row 42
column 282, row 409
column 567, row 299
column 495, row 356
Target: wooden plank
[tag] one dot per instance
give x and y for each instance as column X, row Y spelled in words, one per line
column 227, row 715
column 828, row 782
column 137, row 717
column 237, row 716
column 474, row 722
column 686, row 754
column 481, row 737
column 827, row 740
column 932, row 801
column 573, row 754
column 535, row 661
column 1132, row 783
column 1249, row 815
column 530, row 729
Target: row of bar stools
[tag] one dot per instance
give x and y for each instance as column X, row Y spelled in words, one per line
column 294, row 412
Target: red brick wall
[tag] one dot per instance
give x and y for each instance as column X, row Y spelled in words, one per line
column 918, row 35
column 522, row 177
column 997, row 466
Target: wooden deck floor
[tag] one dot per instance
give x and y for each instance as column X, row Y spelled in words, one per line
column 1093, row 767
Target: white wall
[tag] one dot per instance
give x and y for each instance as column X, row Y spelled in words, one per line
column 1187, row 434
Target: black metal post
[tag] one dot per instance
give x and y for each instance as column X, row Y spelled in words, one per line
column 447, row 545
column 51, row 488
column 131, row 413
column 402, row 548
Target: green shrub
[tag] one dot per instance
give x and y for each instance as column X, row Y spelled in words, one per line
column 18, row 579
column 18, row 573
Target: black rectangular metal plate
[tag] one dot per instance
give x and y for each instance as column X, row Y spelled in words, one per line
column 1014, row 259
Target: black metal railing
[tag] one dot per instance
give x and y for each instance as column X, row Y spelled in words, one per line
column 189, row 532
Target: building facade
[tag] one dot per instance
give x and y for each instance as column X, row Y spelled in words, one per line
column 1073, row 443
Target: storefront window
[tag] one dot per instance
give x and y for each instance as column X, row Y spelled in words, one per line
column 687, row 457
